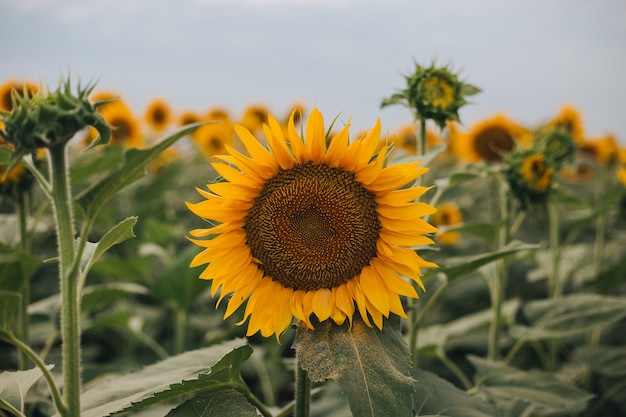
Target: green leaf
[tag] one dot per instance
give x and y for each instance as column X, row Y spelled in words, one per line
column 569, row 315
column 119, row 233
column 16, row 268
column 5, row 155
column 605, row 360
column 15, row 385
column 438, row 335
column 522, row 392
column 438, row 397
column 466, row 265
column 223, row 403
column 9, row 303
column 215, row 367
column 179, row 282
column 95, row 164
column 371, row 366
column 133, row 168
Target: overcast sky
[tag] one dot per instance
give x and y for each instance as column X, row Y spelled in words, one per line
column 529, row 57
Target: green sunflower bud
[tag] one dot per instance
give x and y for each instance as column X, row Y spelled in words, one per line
column 433, row 93
column 47, row 119
column 557, row 144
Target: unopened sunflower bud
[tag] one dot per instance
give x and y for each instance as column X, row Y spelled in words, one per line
column 46, row 119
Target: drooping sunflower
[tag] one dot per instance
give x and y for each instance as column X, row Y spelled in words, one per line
column 158, row 115
column 309, row 228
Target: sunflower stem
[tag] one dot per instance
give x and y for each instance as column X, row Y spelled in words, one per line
column 180, row 332
column 303, row 392
column 498, row 289
column 21, row 208
column 68, row 269
column 421, row 140
column 555, row 251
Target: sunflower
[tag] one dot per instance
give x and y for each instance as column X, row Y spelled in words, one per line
column 489, row 139
column 448, row 214
column 6, row 102
column 213, row 139
column 307, row 227
column 158, row 115
column 603, row 150
column 569, row 118
column 406, row 139
column 530, row 175
column 218, row 113
column 254, row 117
column 188, row 117
column 125, row 129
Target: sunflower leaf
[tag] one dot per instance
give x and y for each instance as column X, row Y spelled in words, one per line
column 569, row 315
column 9, row 302
column 518, row 392
column 15, row 385
column 132, row 169
column 213, row 368
column 119, row 233
column 466, row 265
column 371, row 366
column 224, row 403
column 5, row 155
column 605, row 360
column 438, row 397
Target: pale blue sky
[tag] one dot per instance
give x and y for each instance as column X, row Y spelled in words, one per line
column 529, row 57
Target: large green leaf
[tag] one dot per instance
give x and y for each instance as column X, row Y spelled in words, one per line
column 15, row 385
column 437, row 397
column 466, row 265
column 132, row 169
column 119, row 233
column 213, row 368
column 9, row 303
column 93, row 165
column 224, row 403
column 569, row 315
column 517, row 392
column 438, row 335
column 605, row 360
column 371, row 366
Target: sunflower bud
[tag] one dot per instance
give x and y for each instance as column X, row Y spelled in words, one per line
column 557, row 144
column 433, row 93
column 45, row 120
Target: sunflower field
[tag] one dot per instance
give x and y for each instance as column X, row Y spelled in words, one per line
column 175, row 262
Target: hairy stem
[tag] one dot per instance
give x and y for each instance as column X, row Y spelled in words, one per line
column 303, row 392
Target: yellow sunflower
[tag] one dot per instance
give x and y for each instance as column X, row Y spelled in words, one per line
column 489, row 139
column 188, row 117
column 158, row 115
column 569, row 118
column 125, row 128
column 448, row 214
column 535, row 173
column 603, row 149
column 6, row 103
column 254, row 117
column 218, row 114
column 406, row 139
column 307, row 227
column 213, row 139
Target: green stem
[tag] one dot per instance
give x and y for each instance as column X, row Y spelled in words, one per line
column 498, row 289
column 555, row 251
column 599, row 243
column 303, row 392
column 56, row 395
column 22, row 214
column 441, row 354
column 180, row 331
column 68, row 271
column 421, row 140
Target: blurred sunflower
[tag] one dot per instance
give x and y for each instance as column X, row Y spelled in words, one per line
column 568, row 118
column 448, row 214
column 603, row 150
column 6, row 102
column 218, row 114
column 488, row 140
column 530, row 175
column 254, row 117
column 188, row 117
column 125, row 128
column 406, row 139
column 158, row 115
column 213, row 139
column 309, row 228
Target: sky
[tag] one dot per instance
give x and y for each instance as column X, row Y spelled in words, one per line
column 529, row 57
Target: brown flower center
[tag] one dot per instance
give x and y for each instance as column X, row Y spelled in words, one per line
column 312, row 227
column 492, row 142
